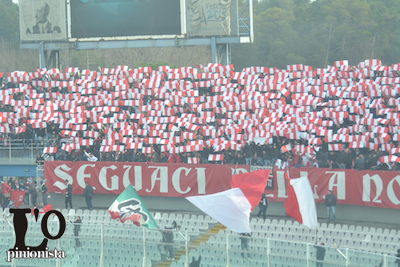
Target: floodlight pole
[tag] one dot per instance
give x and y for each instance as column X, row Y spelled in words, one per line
column 42, row 56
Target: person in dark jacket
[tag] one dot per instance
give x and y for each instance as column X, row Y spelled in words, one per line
column 359, row 164
column 33, row 192
column 77, row 229
column 68, row 195
column 263, row 205
column 245, row 238
column 87, row 195
column 397, row 261
column 330, row 203
column 195, row 263
column 320, row 254
column 45, row 192
column 168, row 237
column 248, row 153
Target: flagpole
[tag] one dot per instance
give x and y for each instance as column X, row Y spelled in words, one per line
column 144, row 248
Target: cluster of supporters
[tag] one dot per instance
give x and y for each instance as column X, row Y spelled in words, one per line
column 340, row 116
column 24, row 185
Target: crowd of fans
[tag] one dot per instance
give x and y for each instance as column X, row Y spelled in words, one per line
column 336, row 117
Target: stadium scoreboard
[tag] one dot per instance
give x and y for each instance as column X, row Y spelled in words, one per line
column 102, row 20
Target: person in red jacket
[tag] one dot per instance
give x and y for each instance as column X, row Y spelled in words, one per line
column 7, row 194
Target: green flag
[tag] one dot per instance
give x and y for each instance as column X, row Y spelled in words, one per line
column 129, row 206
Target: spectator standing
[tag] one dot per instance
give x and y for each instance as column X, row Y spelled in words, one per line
column 168, row 237
column 68, row 195
column 21, row 184
column 330, row 203
column 245, row 238
column 77, row 229
column 263, row 205
column 195, row 263
column 260, row 156
column 6, row 193
column 39, row 160
column 45, row 192
column 342, row 159
column 87, row 195
column 397, row 261
column 33, row 192
column 274, row 154
column 49, row 132
column 12, row 184
column 60, row 156
column 248, row 153
column 360, row 162
column 320, row 254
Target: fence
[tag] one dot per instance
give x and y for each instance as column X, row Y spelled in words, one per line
column 20, row 151
column 119, row 244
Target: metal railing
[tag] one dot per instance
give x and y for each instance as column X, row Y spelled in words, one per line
column 128, row 245
column 20, row 151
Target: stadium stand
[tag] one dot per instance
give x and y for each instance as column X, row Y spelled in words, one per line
column 340, row 116
column 280, row 242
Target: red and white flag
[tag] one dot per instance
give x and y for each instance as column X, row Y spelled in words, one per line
column 300, row 204
column 49, row 150
column 389, row 159
column 192, row 160
column 232, row 207
column 215, row 157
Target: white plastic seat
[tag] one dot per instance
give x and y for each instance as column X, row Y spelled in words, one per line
column 71, row 212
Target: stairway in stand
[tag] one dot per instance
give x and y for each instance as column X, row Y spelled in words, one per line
column 201, row 239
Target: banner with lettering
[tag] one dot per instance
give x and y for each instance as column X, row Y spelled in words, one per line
column 366, row 188
column 149, row 179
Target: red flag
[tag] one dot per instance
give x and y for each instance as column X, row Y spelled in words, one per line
column 17, row 197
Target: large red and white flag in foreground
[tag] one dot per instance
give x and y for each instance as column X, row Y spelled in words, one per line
column 300, row 204
column 232, row 207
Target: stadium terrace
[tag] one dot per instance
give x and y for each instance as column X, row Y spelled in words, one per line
column 340, row 116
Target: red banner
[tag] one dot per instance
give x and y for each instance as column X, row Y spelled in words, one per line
column 366, row 188
column 155, row 179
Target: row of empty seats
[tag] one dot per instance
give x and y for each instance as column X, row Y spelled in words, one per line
column 123, row 243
